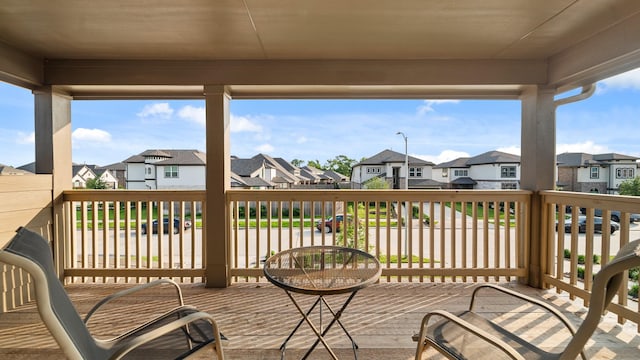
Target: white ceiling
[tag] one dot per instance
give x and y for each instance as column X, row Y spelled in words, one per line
column 554, row 34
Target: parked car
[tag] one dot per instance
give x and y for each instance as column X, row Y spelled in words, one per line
column 165, row 226
column 582, row 225
column 615, row 216
column 327, row 225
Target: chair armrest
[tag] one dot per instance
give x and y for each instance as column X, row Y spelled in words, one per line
column 525, row 298
column 134, row 289
column 167, row 328
column 453, row 319
column 560, row 316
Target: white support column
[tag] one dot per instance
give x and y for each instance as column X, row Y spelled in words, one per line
column 53, row 156
column 215, row 233
column 538, row 160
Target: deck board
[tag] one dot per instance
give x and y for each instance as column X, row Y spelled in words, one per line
column 257, row 317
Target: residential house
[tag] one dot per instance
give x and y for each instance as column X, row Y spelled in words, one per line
column 167, row 170
column 10, row 170
column 601, row 173
column 104, row 174
column 455, row 174
column 490, row 170
column 119, row 171
column 80, row 175
column 390, row 166
column 253, row 173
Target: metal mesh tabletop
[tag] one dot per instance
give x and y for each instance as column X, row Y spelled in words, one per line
column 322, row 270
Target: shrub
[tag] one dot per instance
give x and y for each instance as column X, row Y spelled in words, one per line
column 567, row 254
column 596, row 259
column 581, row 259
column 633, row 273
column 633, row 292
column 580, row 272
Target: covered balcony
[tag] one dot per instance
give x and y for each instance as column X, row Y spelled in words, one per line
column 434, row 246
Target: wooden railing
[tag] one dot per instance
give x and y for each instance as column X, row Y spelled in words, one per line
column 572, row 257
column 120, row 235
column 448, row 235
column 464, row 236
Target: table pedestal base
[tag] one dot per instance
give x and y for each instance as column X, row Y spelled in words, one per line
column 319, row 332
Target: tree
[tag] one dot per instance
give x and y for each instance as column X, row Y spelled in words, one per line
column 341, row 164
column 376, row 183
column 296, row 162
column 630, row 187
column 96, row 183
column 315, row 164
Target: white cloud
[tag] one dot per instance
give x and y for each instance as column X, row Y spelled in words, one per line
column 26, row 139
column 515, row 150
column 193, row 114
column 243, row 124
column 301, row 140
column 628, row 80
column 588, row 147
column 444, row 156
column 427, row 107
column 157, row 110
column 264, row 148
column 91, row 135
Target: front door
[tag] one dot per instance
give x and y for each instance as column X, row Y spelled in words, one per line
column 396, row 178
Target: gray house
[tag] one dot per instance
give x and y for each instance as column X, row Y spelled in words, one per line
column 601, row 173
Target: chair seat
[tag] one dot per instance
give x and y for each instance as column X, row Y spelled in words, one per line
column 457, row 341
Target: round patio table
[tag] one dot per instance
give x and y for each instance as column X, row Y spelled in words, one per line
column 322, row 271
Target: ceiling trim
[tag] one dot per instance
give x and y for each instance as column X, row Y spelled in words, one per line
column 295, row 72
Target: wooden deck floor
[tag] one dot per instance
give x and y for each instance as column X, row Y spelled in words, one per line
column 257, row 317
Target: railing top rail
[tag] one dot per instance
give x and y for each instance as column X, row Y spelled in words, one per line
column 372, row 195
column 134, row 195
column 600, row 201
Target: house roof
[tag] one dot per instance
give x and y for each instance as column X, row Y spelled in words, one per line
column 390, row 156
column 456, row 163
column 245, row 167
column 465, row 180
column 173, row 157
column 493, row 157
column 424, row 184
column 280, row 170
column 256, row 182
column 10, row 170
column 119, row 166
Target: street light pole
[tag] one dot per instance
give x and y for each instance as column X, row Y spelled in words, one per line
column 406, row 187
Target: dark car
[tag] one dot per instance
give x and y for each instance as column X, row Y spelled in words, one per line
column 165, row 226
column 327, row 225
column 582, row 225
column 615, row 216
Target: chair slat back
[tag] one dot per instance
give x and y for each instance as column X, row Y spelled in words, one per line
column 32, row 252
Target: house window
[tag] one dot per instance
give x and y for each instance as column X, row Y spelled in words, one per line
column 625, row 173
column 445, row 173
column 171, row 171
column 508, row 171
column 148, row 171
column 595, row 172
column 464, row 172
column 415, row 172
column 373, row 170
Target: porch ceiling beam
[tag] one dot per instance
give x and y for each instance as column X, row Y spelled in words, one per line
column 311, row 78
column 608, row 53
column 19, row 68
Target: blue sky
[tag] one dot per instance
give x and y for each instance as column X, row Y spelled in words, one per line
column 106, row 132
